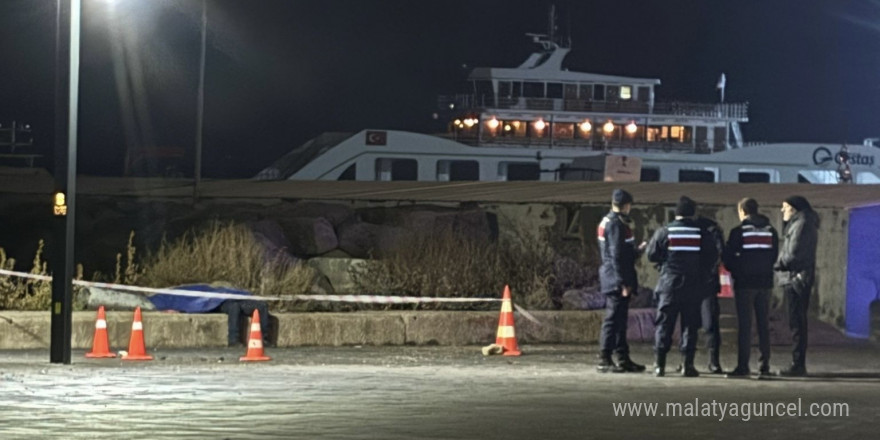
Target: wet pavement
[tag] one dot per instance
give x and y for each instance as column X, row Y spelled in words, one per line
column 415, row 393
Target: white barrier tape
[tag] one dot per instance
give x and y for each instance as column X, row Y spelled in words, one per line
column 369, row 299
column 25, row 275
column 376, row 299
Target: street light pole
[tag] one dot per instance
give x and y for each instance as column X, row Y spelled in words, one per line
column 200, row 103
column 66, row 101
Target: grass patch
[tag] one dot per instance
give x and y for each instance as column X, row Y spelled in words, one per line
column 224, row 253
column 445, row 264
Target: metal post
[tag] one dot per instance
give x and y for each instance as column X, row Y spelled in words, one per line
column 200, row 103
column 66, row 101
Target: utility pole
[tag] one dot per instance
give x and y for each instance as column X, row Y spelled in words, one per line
column 200, row 103
column 66, row 102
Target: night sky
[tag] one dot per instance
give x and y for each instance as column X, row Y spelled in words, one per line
column 282, row 72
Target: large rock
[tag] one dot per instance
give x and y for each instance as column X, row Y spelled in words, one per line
column 335, row 213
column 276, row 246
column 338, row 272
column 309, row 236
column 365, row 240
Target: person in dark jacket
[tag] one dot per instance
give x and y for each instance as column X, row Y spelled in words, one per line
column 617, row 279
column 684, row 252
column 796, row 266
column 751, row 250
column 709, row 309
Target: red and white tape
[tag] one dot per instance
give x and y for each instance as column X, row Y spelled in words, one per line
column 363, row 299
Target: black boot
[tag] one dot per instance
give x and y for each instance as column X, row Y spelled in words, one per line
column 628, row 366
column 715, row 363
column 605, row 363
column 660, row 365
column 795, row 370
column 688, row 370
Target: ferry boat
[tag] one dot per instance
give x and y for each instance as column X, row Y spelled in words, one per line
column 540, row 121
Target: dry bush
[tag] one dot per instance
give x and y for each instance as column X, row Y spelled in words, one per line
column 445, row 264
column 25, row 293
column 221, row 252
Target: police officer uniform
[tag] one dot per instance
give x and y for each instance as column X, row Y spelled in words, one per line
column 618, row 253
column 749, row 255
column 684, row 251
column 710, row 312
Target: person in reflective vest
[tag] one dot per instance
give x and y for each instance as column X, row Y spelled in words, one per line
column 684, row 253
column 749, row 255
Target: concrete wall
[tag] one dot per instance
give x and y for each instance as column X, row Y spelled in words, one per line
column 105, row 222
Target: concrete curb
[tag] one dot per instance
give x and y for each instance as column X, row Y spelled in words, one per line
column 31, row 330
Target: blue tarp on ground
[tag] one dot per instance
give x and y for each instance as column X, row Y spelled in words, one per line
column 193, row 304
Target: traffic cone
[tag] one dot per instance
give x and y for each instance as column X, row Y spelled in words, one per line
column 255, row 342
column 136, row 350
column 100, row 343
column 726, row 285
column 506, row 336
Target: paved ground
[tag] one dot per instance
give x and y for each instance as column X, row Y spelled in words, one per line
column 416, row 392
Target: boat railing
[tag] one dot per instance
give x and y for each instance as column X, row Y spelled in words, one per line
column 467, row 102
column 585, row 144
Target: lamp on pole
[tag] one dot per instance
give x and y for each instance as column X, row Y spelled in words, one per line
column 66, row 100
column 200, row 103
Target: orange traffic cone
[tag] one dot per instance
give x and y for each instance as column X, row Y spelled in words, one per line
column 101, row 343
column 506, row 336
column 726, row 285
column 255, row 342
column 136, row 350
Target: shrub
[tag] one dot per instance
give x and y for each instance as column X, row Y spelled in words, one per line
column 221, row 252
column 445, row 264
column 25, row 293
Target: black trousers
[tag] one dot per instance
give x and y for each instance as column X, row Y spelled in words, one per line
column 669, row 308
column 613, row 335
column 747, row 301
column 798, row 296
column 241, row 309
column 710, row 318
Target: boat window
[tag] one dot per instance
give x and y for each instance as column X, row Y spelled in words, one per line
column 523, row 171
column 554, row 90
column 696, row 176
column 612, row 93
column 563, row 130
column 514, row 128
column 818, row 176
column 504, row 89
column 650, row 175
column 626, row 93
column 571, row 91
column 599, row 92
column 464, row 170
column 586, row 91
column 533, row 90
column 350, row 173
column 644, row 94
column 754, row 177
column 404, row 169
column 517, row 90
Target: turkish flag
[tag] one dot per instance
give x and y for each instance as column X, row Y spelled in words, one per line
column 377, row 138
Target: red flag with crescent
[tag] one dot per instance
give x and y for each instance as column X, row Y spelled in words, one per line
column 377, row 138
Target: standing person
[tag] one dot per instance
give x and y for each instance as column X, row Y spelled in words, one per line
column 709, row 309
column 797, row 268
column 751, row 250
column 617, row 279
column 684, row 251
